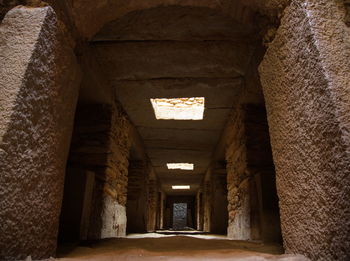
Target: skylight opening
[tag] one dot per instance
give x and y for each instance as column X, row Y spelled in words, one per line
column 178, row 108
column 181, row 187
column 183, row 166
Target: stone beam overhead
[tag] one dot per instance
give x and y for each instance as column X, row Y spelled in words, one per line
column 89, row 18
column 39, row 80
column 143, row 60
column 177, row 23
column 174, row 87
column 135, row 95
column 84, row 12
column 166, row 138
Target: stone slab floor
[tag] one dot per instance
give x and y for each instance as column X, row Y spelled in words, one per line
column 154, row 246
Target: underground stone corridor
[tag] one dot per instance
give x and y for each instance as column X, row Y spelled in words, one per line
column 174, row 130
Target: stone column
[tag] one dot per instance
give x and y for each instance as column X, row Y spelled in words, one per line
column 162, row 208
column 306, row 83
column 237, row 178
column 206, row 205
column 137, row 204
column 199, row 209
column 39, row 80
column 152, row 205
column 101, row 144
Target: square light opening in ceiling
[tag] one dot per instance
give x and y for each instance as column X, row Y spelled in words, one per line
column 183, row 166
column 178, row 108
column 181, row 187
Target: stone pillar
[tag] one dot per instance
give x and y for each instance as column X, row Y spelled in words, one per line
column 306, row 83
column 199, row 209
column 219, row 215
column 137, row 204
column 206, row 205
column 152, row 205
column 237, row 179
column 39, row 80
column 101, row 144
column 162, row 209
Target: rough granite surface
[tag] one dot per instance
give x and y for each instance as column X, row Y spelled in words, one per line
column 37, row 101
column 305, row 78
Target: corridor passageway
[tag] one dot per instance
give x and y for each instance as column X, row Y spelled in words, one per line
column 174, row 130
column 188, row 129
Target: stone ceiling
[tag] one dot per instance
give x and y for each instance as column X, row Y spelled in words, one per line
column 174, row 52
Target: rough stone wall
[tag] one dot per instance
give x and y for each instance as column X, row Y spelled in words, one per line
column 219, row 215
column 253, row 203
column 199, row 209
column 207, row 197
column 101, row 144
column 152, row 204
column 39, row 87
column 161, row 210
column 142, row 205
column 137, row 203
column 305, row 78
column 237, row 178
column 263, row 195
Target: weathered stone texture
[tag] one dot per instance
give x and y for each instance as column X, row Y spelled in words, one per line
column 219, row 215
column 39, row 82
column 253, row 209
column 237, row 178
column 207, row 197
column 152, row 204
column 305, row 77
column 137, row 203
column 145, row 60
column 89, row 17
column 177, row 23
column 101, row 143
column 199, row 209
column 265, row 223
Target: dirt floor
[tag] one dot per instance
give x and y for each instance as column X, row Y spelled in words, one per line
column 165, row 247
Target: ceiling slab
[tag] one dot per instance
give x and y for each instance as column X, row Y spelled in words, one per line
column 163, row 59
column 165, row 138
column 175, row 23
column 176, row 52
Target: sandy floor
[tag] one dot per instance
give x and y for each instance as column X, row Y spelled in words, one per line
column 173, row 247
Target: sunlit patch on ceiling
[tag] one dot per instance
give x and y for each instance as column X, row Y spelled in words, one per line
column 183, row 166
column 181, row 187
column 178, row 108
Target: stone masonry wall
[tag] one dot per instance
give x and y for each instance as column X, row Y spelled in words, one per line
column 207, row 198
column 152, row 204
column 101, row 144
column 305, row 78
column 265, row 223
column 237, row 178
column 142, row 205
column 137, row 197
column 199, row 209
column 219, row 203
